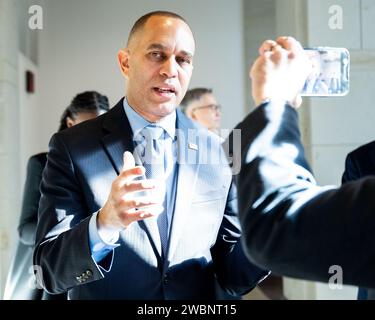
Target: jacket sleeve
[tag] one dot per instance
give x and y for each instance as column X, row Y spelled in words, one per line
column 235, row 273
column 30, row 202
column 62, row 244
column 290, row 225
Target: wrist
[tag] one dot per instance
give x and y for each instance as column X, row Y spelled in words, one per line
column 260, row 102
column 295, row 103
column 104, row 224
column 107, row 235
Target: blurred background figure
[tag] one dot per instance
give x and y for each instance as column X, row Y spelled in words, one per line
column 200, row 105
column 21, row 283
column 315, row 82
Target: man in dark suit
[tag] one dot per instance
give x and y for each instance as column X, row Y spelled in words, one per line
column 360, row 163
column 98, row 236
column 290, row 225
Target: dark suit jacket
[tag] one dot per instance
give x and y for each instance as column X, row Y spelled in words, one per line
column 31, row 197
column 358, row 164
column 290, row 225
column 204, row 240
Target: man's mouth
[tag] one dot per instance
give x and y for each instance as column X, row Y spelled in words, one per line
column 165, row 90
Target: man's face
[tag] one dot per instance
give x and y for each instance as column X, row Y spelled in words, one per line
column 206, row 111
column 158, row 64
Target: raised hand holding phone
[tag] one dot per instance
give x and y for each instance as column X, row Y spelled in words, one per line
column 280, row 71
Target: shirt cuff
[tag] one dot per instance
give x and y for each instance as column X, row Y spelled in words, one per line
column 103, row 242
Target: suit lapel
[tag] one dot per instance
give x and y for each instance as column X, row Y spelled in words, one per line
column 188, row 167
column 119, row 138
column 152, row 231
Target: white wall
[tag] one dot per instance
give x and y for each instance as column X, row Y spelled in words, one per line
column 260, row 24
column 9, row 135
column 29, row 117
column 80, row 40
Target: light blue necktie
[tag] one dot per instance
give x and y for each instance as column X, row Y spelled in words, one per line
column 154, row 157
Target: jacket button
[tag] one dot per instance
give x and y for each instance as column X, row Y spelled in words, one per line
column 166, row 279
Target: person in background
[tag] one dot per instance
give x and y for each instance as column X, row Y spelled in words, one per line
column 19, row 286
column 315, row 83
column 200, row 105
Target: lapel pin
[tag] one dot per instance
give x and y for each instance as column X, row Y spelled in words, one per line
column 193, row 146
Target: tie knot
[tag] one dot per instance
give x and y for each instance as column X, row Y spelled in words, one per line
column 152, row 143
column 153, row 132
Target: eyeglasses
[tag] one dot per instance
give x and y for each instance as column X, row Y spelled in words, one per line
column 212, row 107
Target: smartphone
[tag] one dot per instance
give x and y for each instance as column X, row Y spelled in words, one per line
column 330, row 72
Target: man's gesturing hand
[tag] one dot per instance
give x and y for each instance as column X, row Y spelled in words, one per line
column 123, row 205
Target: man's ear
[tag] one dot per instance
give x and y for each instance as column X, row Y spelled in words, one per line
column 69, row 122
column 123, row 59
column 190, row 114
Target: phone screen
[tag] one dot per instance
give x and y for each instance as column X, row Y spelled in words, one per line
column 330, row 72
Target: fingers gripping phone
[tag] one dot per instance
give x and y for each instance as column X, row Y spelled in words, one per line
column 330, row 72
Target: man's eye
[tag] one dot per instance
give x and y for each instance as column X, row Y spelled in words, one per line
column 156, row 55
column 182, row 60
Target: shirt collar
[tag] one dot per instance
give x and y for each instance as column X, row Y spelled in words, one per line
column 137, row 122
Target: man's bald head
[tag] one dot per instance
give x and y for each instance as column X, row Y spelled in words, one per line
column 140, row 23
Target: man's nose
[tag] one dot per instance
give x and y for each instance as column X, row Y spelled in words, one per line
column 169, row 68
